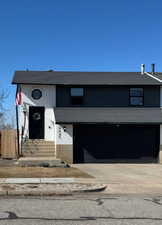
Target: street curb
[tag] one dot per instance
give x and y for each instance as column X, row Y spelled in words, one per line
column 102, row 188
column 50, row 192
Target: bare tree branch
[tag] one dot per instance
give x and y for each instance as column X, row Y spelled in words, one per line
column 3, row 111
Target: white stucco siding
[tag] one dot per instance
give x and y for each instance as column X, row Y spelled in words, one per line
column 24, row 121
column 49, row 124
column 48, row 98
column 64, row 134
column 48, row 101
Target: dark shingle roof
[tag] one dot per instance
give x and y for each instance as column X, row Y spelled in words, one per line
column 108, row 115
column 83, row 78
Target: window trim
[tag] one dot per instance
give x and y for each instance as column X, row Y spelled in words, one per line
column 141, row 96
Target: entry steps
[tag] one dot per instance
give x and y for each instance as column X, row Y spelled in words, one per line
column 38, row 148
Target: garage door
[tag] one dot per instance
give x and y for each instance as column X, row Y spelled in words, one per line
column 114, row 143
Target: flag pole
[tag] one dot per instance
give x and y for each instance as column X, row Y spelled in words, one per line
column 17, row 123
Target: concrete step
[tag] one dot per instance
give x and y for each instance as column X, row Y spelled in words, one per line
column 38, row 146
column 43, row 151
column 38, row 142
column 39, row 154
column 39, row 161
column 32, row 145
column 37, row 149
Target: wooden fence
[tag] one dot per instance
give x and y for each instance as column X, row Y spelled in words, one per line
column 8, row 144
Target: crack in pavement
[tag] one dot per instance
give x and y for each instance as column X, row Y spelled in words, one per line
column 100, row 202
column 154, row 200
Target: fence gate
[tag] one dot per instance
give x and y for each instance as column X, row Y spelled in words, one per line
column 8, row 144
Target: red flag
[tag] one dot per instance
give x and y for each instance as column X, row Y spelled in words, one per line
column 18, row 95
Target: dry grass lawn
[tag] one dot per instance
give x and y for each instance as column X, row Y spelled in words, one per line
column 40, row 172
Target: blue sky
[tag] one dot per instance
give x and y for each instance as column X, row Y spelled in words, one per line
column 84, row 35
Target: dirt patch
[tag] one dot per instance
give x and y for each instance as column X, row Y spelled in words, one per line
column 41, row 172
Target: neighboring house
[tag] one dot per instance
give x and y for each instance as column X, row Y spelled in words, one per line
column 94, row 117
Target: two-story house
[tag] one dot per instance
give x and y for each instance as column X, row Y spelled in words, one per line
column 90, row 117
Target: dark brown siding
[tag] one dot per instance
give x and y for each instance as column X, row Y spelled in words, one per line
column 107, row 96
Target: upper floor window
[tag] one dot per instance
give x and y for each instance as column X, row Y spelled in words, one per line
column 36, row 94
column 136, row 96
column 77, row 96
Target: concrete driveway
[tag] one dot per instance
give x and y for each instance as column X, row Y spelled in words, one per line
column 126, row 178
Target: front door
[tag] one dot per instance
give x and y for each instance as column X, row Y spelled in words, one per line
column 36, row 122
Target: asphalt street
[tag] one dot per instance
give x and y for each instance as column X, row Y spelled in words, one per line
column 82, row 209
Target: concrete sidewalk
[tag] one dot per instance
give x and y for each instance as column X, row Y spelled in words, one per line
column 36, row 180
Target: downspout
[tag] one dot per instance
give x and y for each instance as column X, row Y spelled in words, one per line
column 55, row 130
column 17, row 124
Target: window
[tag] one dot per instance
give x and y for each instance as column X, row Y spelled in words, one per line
column 136, row 96
column 77, row 96
column 36, row 94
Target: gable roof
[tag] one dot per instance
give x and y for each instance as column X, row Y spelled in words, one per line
column 83, row 78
